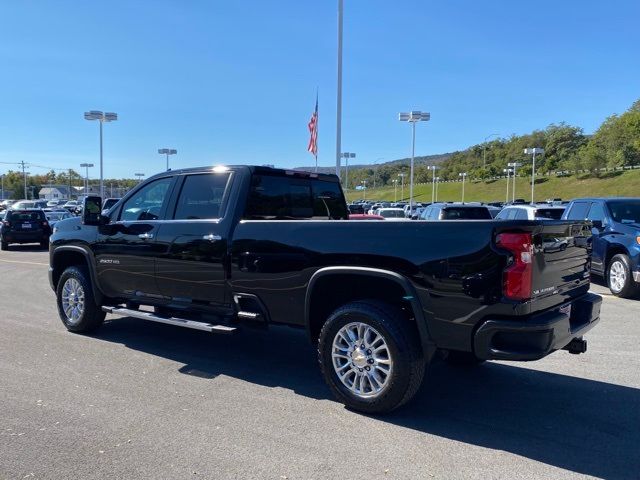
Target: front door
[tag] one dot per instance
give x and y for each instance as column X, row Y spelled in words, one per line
column 126, row 249
column 194, row 241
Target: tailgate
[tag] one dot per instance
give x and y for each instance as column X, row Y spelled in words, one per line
column 561, row 260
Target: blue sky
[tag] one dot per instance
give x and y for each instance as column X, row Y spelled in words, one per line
column 235, row 81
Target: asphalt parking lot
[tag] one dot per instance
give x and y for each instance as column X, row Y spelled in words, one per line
column 143, row 400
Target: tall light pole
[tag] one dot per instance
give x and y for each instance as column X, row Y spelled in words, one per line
column 102, row 117
column 395, row 189
column 402, row 175
column 86, row 176
column 347, row 156
column 139, row 175
column 413, row 117
column 167, row 152
column 437, row 183
column 2, row 187
column 514, row 166
column 339, row 94
column 24, row 177
column 463, row 175
column 508, row 172
column 433, row 181
column 484, row 149
column 364, row 189
column 533, row 152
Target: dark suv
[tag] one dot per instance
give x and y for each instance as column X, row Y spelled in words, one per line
column 616, row 240
column 24, row 226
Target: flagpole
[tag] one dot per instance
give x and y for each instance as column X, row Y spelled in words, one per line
column 339, row 96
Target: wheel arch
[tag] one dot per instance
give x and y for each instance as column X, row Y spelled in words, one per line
column 612, row 250
column 394, row 288
column 72, row 255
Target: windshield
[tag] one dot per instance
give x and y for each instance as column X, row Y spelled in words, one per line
column 391, row 213
column 625, row 211
column 466, row 213
column 549, row 213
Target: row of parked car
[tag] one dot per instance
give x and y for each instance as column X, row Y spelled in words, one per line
column 33, row 221
column 615, row 228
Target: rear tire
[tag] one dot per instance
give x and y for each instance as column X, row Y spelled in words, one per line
column 619, row 277
column 44, row 244
column 382, row 356
column 4, row 246
column 77, row 307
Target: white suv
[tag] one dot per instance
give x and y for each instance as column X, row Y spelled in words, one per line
column 531, row 212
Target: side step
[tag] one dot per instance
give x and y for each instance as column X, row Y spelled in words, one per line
column 179, row 322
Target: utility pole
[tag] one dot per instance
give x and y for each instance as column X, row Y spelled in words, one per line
column 24, row 176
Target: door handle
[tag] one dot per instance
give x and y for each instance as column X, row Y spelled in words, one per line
column 146, row 236
column 212, row 238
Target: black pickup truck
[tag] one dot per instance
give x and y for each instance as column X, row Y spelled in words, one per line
column 218, row 249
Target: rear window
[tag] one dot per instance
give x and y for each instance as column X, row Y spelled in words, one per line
column 25, row 216
column 275, row 197
column 467, row 213
column 550, row 213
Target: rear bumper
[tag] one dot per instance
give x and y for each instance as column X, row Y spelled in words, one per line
column 538, row 335
column 24, row 237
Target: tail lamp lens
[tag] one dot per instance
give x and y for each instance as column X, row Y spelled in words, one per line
column 517, row 276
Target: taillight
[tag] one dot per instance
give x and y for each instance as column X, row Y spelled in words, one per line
column 516, row 277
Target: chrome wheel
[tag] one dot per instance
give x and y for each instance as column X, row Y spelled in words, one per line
column 617, row 276
column 362, row 359
column 73, row 300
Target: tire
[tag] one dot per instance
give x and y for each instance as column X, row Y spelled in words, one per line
column 619, row 277
column 74, row 290
column 462, row 359
column 402, row 354
column 44, row 244
column 4, row 246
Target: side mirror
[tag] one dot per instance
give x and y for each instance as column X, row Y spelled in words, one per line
column 91, row 211
column 597, row 224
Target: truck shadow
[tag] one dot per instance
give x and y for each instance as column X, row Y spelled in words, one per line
column 581, row 425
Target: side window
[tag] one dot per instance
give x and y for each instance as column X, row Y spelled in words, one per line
column 425, row 214
column 596, row 212
column 435, row 213
column 201, row 196
column 521, row 214
column 146, row 203
column 503, row 214
column 578, row 211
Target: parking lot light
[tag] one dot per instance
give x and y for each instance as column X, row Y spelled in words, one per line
column 533, row 152
column 413, row 117
column 167, row 152
column 513, row 166
column 86, row 166
column 139, row 175
column 463, row 175
column 508, row 172
column 402, row 175
column 101, row 117
column 347, row 156
column 433, row 181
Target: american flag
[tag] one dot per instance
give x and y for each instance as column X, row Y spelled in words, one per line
column 313, row 130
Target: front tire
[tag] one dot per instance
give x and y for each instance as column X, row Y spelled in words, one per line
column 76, row 304
column 370, row 356
column 620, row 278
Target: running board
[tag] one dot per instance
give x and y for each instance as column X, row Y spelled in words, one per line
column 179, row 322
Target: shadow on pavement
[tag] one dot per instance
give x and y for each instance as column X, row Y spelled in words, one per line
column 585, row 426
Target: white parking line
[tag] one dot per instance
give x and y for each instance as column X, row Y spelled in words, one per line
column 26, row 263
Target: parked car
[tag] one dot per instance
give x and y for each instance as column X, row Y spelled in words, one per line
column 56, row 203
column 394, row 214
column 531, row 212
column 24, row 226
column 55, row 216
column 359, row 216
column 356, row 208
column 71, row 205
column 5, row 204
column 456, row 211
column 220, row 249
column 616, row 240
column 23, row 204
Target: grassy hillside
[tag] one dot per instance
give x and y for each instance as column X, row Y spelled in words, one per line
column 614, row 184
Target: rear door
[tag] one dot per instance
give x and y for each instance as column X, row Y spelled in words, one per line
column 599, row 254
column 194, row 241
